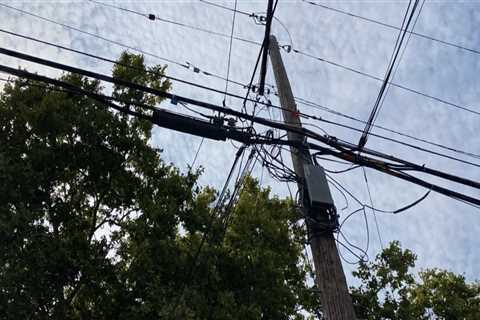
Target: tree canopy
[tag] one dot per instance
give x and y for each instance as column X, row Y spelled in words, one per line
column 95, row 225
column 389, row 290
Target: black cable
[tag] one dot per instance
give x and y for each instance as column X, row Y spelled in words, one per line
column 365, row 74
column 373, row 208
column 266, row 46
column 240, row 97
column 398, row 64
column 341, row 192
column 249, row 87
column 398, row 46
column 133, row 68
column 251, row 15
column 230, row 54
column 332, row 111
column 196, row 153
column 403, row 208
column 227, row 8
column 331, row 141
column 391, row 26
column 395, row 141
column 154, row 17
column 186, row 65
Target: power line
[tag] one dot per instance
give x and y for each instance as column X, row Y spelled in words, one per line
column 373, row 208
column 345, row 149
column 396, row 141
column 131, row 67
column 230, row 52
column 154, row 17
column 188, row 65
column 396, row 51
column 304, row 53
column 228, row 8
column 314, row 57
column 335, row 112
column 196, row 153
column 368, row 75
column 398, row 65
column 421, row 35
column 329, row 140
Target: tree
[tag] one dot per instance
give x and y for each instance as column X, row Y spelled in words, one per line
column 389, row 290
column 94, row 225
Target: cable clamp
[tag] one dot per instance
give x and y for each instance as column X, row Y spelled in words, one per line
column 174, row 100
column 286, row 47
column 151, row 17
column 191, row 66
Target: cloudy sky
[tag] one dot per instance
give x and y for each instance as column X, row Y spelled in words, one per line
column 443, row 232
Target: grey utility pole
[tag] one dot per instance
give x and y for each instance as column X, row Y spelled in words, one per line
column 321, row 219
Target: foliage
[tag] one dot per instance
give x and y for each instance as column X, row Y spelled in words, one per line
column 94, row 225
column 389, row 290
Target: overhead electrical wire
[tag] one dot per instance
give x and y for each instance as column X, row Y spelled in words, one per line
column 391, row 26
column 300, row 100
column 196, row 153
column 447, row 192
column 395, row 170
column 391, row 67
column 230, row 54
column 338, row 113
column 368, row 75
column 325, row 139
column 155, row 17
column 301, row 52
column 395, row 141
column 225, row 7
column 186, row 65
column 398, row 64
column 373, row 208
column 133, row 68
column 197, row 70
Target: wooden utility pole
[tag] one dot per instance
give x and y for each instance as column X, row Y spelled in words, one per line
column 329, row 276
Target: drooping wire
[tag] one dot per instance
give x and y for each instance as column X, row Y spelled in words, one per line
column 373, row 208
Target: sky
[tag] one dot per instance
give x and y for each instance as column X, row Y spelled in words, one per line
column 443, row 232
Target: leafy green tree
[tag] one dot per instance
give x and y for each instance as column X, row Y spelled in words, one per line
column 389, row 290
column 94, row 225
